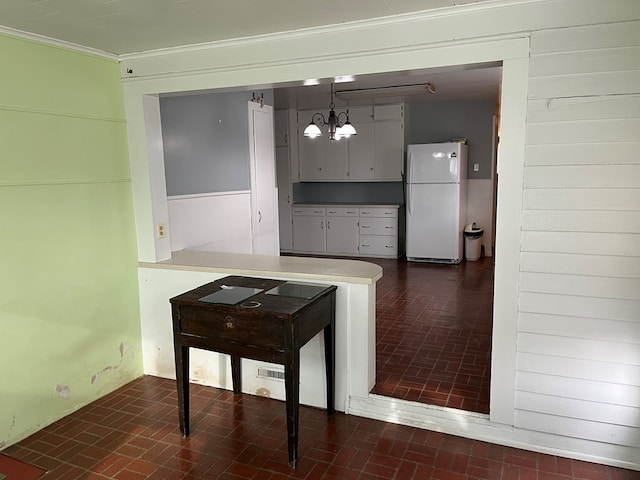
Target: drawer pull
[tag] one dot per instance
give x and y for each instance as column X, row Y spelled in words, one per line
column 229, row 321
column 389, row 246
column 365, row 226
column 366, row 245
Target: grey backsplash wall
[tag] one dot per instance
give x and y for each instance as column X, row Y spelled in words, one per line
column 349, row 192
column 206, row 142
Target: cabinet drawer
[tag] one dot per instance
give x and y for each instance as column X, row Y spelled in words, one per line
column 342, row 212
column 311, row 211
column 378, row 245
column 255, row 330
column 379, row 212
column 378, row 226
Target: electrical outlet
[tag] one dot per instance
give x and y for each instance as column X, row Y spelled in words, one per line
column 476, row 167
column 161, row 230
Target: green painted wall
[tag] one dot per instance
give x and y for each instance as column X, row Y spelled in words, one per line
column 69, row 317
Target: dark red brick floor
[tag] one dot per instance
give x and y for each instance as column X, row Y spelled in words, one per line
column 132, row 434
column 433, row 335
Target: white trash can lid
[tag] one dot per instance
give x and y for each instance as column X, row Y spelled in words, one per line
column 473, row 229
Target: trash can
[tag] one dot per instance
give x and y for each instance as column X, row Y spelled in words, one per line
column 472, row 242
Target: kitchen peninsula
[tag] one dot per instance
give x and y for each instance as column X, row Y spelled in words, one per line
column 354, row 319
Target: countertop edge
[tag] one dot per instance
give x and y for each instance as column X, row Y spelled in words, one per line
column 333, row 270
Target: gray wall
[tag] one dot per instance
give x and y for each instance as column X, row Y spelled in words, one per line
column 348, row 192
column 435, row 122
column 206, row 142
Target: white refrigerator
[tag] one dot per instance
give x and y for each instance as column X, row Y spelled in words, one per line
column 436, row 202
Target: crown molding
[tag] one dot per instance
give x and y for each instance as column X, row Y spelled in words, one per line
column 56, row 43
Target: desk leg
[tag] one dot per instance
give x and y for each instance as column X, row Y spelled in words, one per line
column 330, row 358
column 292, row 393
column 182, row 382
column 236, row 374
column 330, row 366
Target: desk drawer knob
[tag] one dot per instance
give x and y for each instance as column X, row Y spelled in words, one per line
column 229, row 321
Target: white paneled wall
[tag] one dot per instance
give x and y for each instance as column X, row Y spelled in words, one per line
column 578, row 361
column 218, row 222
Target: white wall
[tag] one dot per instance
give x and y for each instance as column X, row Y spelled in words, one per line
column 219, row 221
column 578, row 364
column 568, row 62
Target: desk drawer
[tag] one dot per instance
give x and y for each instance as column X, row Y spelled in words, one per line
column 245, row 327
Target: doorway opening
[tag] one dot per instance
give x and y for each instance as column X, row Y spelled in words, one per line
column 433, row 322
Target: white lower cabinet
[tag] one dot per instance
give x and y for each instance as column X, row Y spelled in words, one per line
column 342, row 231
column 308, row 229
column 346, row 230
column 378, row 232
column 378, row 246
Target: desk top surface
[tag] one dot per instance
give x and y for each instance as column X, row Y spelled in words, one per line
column 259, row 303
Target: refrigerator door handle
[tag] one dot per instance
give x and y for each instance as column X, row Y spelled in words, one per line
column 409, row 168
column 409, row 198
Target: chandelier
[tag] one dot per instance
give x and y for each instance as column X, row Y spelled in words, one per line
column 335, row 129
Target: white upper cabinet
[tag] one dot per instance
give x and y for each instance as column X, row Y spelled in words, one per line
column 388, row 150
column 334, row 158
column 376, row 153
column 361, row 153
column 320, row 159
column 310, row 151
column 388, row 112
column 388, row 142
column 360, row 146
column 359, row 115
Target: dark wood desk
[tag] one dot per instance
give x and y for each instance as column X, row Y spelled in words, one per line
column 270, row 328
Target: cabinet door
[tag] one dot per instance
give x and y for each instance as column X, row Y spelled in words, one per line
column 361, row 153
column 360, row 115
column 388, row 112
column 309, row 151
column 342, row 235
column 308, row 234
column 334, row 158
column 388, row 150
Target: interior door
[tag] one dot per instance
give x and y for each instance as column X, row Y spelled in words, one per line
column 264, row 196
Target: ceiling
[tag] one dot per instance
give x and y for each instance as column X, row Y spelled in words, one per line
column 463, row 82
column 120, row 27
column 126, row 26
